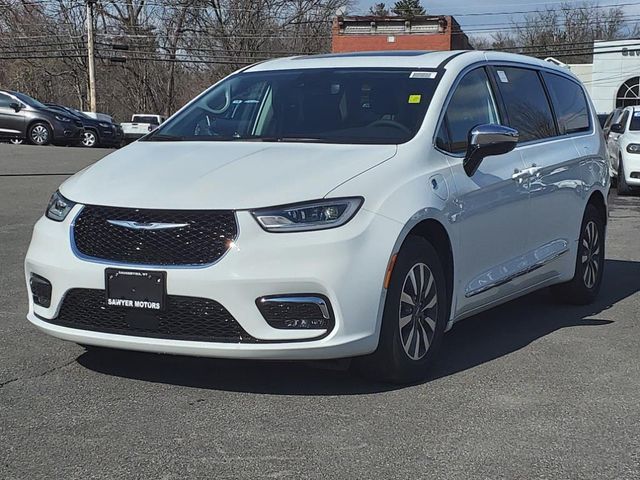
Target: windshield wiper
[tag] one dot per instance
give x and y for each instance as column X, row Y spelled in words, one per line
column 289, row 139
column 164, row 137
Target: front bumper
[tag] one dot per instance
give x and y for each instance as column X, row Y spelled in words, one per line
column 346, row 264
column 632, row 169
column 67, row 133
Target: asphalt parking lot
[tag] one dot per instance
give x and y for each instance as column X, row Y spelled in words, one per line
column 529, row 390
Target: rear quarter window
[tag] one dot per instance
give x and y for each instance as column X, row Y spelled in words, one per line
column 569, row 103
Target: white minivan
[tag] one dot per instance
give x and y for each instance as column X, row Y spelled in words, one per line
column 331, row 206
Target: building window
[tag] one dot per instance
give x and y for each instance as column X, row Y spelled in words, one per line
column 629, row 93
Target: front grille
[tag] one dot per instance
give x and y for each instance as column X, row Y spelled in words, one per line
column 204, row 239
column 185, row 318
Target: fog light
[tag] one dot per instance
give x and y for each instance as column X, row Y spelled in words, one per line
column 297, row 312
column 40, row 290
column 633, row 148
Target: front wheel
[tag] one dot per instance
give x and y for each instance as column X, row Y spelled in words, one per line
column 414, row 317
column 623, row 187
column 40, row 134
column 89, row 139
column 584, row 287
column 16, row 141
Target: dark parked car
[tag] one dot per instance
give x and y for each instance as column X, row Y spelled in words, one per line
column 97, row 133
column 611, row 119
column 25, row 118
column 602, row 119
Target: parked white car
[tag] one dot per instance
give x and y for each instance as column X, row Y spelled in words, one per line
column 624, row 149
column 141, row 124
column 331, row 206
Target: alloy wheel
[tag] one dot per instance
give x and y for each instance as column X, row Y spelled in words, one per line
column 89, row 139
column 16, row 141
column 590, row 258
column 418, row 311
column 40, row 135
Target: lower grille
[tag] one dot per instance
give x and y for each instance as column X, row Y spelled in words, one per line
column 185, row 318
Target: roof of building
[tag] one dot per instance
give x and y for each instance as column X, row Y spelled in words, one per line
column 391, row 18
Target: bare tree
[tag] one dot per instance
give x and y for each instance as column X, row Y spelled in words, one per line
column 379, row 10
column 167, row 50
column 567, row 32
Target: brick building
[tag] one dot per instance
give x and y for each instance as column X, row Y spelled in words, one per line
column 425, row 32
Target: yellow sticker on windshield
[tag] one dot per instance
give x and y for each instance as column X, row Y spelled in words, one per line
column 415, row 98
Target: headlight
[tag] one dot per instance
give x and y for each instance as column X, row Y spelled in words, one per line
column 62, row 119
column 59, row 207
column 317, row 215
column 633, row 148
column 104, row 125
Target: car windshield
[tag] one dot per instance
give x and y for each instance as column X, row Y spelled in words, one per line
column 32, row 102
column 369, row 106
column 635, row 121
column 145, row 119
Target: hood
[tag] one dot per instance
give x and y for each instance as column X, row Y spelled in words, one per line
column 220, row 175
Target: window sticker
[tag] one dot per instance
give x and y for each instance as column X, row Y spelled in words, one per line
column 423, row 75
column 502, row 76
column 415, row 98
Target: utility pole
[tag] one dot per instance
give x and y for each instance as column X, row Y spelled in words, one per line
column 90, row 49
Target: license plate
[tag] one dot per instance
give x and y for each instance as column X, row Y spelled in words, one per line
column 136, row 289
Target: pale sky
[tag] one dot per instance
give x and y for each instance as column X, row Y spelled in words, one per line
column 484, row 25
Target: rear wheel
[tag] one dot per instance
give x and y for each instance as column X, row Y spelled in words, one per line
column 584, row 287
column 414, row 318
column 39, row 134
column 16, row 141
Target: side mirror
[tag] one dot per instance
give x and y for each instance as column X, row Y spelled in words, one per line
column 16, row 106
column 485, row 141
column 616, row 128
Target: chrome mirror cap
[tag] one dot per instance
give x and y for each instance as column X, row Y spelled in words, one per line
column 488, row 140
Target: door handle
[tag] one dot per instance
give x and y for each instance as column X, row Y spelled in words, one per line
column 520, row 175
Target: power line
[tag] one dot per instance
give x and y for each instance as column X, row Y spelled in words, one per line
column 316, row 10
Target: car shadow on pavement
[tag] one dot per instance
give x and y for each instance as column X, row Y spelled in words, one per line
column 472, row 342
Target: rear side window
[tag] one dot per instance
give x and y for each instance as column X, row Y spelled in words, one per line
column 471, row 104
column 5, row 100
column 526, row 103
column 145, row 119
column 569, row 104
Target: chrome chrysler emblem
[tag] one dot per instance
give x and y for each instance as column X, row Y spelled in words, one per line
column 146, row 226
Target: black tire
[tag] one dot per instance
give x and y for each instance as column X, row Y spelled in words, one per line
column 39, row 134
column 392, row 361
column 623, row 188
column 90, row 139
column 584, row 287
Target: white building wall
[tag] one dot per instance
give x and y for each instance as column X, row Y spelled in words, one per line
column 614, row 63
